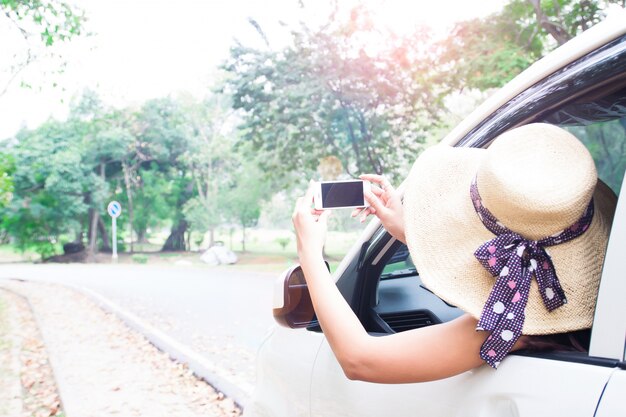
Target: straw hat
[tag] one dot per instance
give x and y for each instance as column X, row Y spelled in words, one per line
column 537, row 180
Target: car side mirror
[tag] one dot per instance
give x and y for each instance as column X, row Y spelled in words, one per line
column 293, row 307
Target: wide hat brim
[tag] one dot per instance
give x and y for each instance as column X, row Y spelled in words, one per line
column 443, row 231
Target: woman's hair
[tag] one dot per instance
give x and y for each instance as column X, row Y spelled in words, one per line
column 577, row 341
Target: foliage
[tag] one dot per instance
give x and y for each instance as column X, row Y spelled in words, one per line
column 283, row 241
column 140, row 258
column 7, row 166
column 210, row 158
column 64, row 174
column 151, row 205
column 199, row 218
column 331, row 93
column 56, row 21
column 604, row 141
column 39, row 23
column 338, row 100
column 161, row 137
column 49, row 181
column 243, row 197
column 488, row 52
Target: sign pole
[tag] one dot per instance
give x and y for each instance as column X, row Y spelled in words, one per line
column 114, row 233
column 115, row 209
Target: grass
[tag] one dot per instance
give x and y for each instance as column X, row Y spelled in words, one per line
column 267, row 250
column 9, row 253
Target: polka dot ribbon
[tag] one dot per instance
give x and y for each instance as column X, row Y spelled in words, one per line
column 514, row 260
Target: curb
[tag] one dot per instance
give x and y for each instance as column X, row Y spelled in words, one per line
column 60, row 383
column 201, row 366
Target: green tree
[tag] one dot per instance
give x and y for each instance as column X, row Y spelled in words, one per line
column 210, row 158
column 151, row 206
column 49, row 184
column 331, row 93
column 244, row 196
column 161, row 134
column 488, row 52
column 103, row 145
column 37, row 24
column 7, row 166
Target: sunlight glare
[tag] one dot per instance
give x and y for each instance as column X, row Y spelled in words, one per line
column 402, row 16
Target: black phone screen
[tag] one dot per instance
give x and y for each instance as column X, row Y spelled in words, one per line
column 342, row 194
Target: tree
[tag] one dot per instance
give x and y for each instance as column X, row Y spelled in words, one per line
column 49, row 182
column 37, row 25
column 103, row 144
column 7, row 167
column 330, row 93
column 151, row 206
column 161, row 136
column 210, row 158
column 244, row 196
column 488, row 52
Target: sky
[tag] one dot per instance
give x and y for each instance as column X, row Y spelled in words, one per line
column 142, row 49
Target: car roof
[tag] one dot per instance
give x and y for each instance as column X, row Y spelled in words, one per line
column 611, row 28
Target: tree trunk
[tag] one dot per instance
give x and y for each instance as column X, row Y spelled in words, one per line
column 141, row 236
column 106, row 241
column 176, row 240
column 555, row 29
column 129, row 196
column 95, row 220
column 243, row 240
column 93, row 231
column 212, row 237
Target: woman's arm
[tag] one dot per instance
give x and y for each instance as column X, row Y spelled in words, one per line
column 425, row 354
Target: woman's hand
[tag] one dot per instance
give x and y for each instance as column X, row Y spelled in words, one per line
column 386, row 204
column 310, row 225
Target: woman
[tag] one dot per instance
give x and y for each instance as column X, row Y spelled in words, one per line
column 479, row 224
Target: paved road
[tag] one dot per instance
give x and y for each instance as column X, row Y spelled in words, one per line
column 221, row 313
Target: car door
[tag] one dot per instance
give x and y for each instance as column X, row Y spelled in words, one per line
column 569, row 383
column 522, row 386
column 612, row 402
column 588, row 98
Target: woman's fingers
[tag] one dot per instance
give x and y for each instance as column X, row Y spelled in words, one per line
column 375, row 203
column 377, row 190
column 378, row 179
column 356, row 212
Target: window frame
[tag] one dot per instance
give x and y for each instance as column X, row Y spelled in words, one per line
column 533, row 104
column 579, row 77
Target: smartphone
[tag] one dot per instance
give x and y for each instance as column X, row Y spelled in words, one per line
column 340, row 194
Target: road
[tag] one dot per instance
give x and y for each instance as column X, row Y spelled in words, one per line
column 221, row 313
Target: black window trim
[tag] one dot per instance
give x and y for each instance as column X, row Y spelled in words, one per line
column 557, row 89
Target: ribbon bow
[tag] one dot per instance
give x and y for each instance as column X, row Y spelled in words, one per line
column 514, row 260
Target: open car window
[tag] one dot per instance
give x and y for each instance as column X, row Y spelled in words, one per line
column 605, row 138
column 596, row 115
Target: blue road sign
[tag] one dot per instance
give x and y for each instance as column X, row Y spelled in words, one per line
column 114, row 209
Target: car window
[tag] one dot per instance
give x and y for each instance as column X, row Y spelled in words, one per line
column 587, row 80
column 599, row 121
column 596, row 115
column 399, row 265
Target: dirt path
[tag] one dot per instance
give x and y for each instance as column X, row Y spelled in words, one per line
column 27, row 384
column 103, row 368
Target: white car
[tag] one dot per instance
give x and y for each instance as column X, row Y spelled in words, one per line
column 581, row 87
